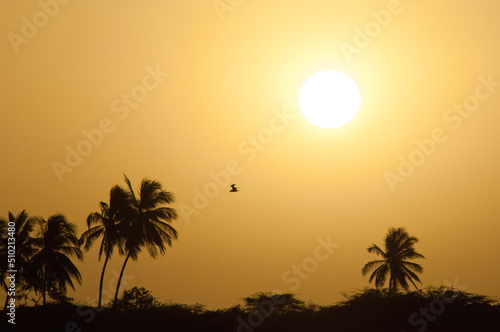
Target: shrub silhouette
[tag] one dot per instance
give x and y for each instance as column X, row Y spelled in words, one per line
column 137, row 299
column 362, row 310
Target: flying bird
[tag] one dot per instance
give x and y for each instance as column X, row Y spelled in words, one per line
column 233, row 188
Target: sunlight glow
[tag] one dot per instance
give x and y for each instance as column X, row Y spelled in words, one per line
column 329, row 99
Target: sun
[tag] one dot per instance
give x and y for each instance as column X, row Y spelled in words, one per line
column 329, row 99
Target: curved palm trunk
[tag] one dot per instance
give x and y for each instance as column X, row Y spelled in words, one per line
column 44, row 286
column 102, row 280
column 120, row 280
column 391, row 286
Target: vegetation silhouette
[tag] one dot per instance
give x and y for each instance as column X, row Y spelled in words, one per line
column 274, row 304
column 146, row 222
column 44, row 248
column 362, row 310
column 50, row 266
column 398, row 250
column 106, row 224
column 137, row 298
column 133, row 222
column 42, row 255
column 23, row 227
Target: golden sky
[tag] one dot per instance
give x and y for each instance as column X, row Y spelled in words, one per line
column 185, row 91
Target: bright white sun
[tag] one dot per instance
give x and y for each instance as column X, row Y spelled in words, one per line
column 329, row 99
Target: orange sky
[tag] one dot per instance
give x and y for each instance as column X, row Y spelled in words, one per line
column 202, row 81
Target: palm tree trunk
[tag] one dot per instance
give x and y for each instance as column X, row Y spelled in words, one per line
column 120, row 280
column 391, row 286
column 44, row 285
column 102, row 279
column 44, row 288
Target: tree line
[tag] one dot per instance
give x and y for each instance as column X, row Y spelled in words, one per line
column 44, row 249
column 427, row 310
column 134, row 221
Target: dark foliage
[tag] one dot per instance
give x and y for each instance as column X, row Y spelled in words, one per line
column 367, row 310
column 137, row 299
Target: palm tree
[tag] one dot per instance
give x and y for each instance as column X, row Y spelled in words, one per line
column 23, row 229
column 398, row 250
column 147, row 223
column 52, row 268
column 106, row 224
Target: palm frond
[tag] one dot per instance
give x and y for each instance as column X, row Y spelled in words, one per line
column 371, row 265
column 375, row 249
column 413, row 266
column 380, row 275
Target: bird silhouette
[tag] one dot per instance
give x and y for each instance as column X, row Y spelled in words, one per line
column 233, row 188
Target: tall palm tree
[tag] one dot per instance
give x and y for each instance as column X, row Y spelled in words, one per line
column 398, row 250
column 147, row 223
column 23, row 229
column 51, row 265
column 106, row 224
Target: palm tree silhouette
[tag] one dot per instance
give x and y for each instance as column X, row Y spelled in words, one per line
column 106, row 224
column 54, row 244
column 146, row 222
column 398, row 250
column 24, row 226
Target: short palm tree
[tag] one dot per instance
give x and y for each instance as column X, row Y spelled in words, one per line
column 106, row 225
column 147, row 222
column 51, row 266
column 24, row 226
column 398, row 250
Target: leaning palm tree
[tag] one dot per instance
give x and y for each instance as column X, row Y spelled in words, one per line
column 147, row 223
column 106, row 225
column 398, row 250
column 23, row 229
column 51, row 266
